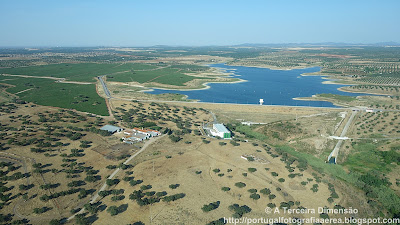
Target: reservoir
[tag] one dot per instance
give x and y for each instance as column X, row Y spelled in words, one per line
column 276, row 87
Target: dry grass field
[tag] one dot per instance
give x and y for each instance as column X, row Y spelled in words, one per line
column 191, row 163
column 203, row 170
column 48, row 166
column 256, row 113
column 166, row 163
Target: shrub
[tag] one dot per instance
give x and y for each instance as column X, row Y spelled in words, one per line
column 250, row 159
column 314, row 188
column 136, row 195
column 81, row 219
column 174, row 186
column 252, row 170
column 135, row 182
column 225, row 188
column 271, row 196
column 324, row 216
column 92, row 178
column 255, row 196
column 145, row 187
column 265, row 191
column 240, row 184
column 220, row 221
column 174, row 138
column 161, row 194
column 239, row 211
column 91, row 208
column 40, row 210
column 117, row 198
column 113, row 210
column 104, row 193
column 111, row 182
column 252, row 190
column 55, row 222
column 173, row 197
column 211, row 206
column 111, row 167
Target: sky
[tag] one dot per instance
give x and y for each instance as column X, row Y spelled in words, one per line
column 49, row 23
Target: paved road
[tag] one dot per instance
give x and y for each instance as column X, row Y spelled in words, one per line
column 106, row 91
column 335, row 151
column 94, row 197
column 214, row 117
column 384, row 138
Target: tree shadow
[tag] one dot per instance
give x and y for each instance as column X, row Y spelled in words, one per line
column 102, row 207
column 122, row 208
column 91, row 219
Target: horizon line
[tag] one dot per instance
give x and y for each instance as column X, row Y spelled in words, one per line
column 387, row 43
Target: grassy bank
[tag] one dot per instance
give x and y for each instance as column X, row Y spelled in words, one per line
column 338, row 97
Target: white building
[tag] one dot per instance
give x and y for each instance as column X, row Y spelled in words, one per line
column 112, row 129
column 149, row 132
column 219, row 130
column 135, row 137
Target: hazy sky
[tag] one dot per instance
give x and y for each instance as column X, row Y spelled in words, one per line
column 188, row 22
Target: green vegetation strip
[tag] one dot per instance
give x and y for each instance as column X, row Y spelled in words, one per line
column 372, row 182
column 338, row 97
column 368, row 182
column 248, row 132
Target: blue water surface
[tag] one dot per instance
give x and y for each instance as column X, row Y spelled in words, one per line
column 276, row 87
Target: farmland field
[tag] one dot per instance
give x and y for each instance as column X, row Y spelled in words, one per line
column 76, row 72
column 169, row 76
column 47, row 92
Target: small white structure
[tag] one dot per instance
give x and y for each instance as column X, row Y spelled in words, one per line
column 369, row 110
column 149, row 132
column 261, row 101
column 135, row 137
column 248, row 123
column 219, row 130
column 339, row 138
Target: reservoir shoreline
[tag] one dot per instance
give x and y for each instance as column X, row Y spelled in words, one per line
column 276, row 87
